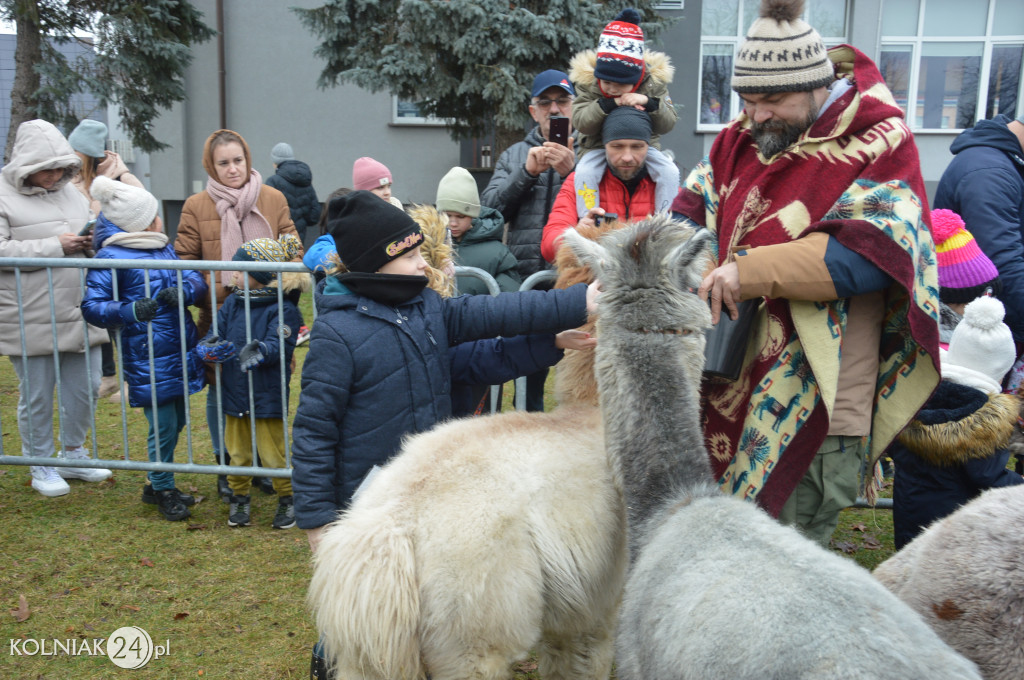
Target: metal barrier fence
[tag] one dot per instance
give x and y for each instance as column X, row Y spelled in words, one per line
column 83, row 265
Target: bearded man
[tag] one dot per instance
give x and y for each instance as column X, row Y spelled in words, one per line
column 815, row 194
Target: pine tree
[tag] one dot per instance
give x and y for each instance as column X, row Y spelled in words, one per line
column 470, row 62
column 142, row 48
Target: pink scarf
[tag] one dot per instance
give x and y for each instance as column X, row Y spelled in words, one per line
column 240, row 220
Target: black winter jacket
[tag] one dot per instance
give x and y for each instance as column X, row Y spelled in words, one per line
column 294, row 179
column 524, row 201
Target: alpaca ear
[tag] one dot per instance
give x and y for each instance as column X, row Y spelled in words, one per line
column 688, row 260
column 589, row 253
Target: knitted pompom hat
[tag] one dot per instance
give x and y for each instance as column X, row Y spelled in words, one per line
column 964, row 271
column 620, row 49
column 283, row 249
column 130, row 208
column 782, row 53
column 981, row 350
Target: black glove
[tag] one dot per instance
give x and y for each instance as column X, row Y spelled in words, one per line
column 169, row 296
column 141, row 310
column 252, row 355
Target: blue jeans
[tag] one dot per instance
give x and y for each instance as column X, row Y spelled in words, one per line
column 169, row 421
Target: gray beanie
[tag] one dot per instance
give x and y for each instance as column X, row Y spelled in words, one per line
column 89, row 137
column 130, row 208
column 457, row 192
column 281, row 152
column 625, row 122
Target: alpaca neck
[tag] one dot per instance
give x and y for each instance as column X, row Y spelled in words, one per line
column 651, row 415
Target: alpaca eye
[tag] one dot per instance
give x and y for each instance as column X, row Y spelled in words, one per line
column 686, row 331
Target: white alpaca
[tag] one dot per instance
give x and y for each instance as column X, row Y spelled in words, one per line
column 717, row 589
column 485, row 538
column 965, row 575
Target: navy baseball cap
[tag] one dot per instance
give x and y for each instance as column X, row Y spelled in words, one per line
column 552, row 78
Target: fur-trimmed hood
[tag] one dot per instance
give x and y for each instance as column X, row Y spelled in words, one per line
column 292, row 281
column 436, row 247
column 960, row 423
column 657, row 66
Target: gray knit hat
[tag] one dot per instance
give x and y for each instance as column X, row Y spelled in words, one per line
column 625, row 122
column 457, row 192
column 281, row 152
column 89, row 137
column 125, row 206
column 782, row 53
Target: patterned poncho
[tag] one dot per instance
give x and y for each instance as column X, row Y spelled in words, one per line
column 855, row 176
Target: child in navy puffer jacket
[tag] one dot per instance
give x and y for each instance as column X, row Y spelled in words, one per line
column 259, row 349
column 378, row 364
column 128, row 228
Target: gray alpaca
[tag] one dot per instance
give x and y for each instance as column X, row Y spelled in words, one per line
column 717, row 589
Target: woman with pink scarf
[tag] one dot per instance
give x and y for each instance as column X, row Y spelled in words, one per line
column 235, row 208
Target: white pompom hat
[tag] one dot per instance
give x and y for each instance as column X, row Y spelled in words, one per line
column 981, row 350
column 130, row 208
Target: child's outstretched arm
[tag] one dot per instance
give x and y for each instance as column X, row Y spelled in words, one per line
column 473, row 317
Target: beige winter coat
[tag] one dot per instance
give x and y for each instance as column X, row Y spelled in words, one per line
column 31, row 218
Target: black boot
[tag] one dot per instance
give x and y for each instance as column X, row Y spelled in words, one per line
column 223, row 489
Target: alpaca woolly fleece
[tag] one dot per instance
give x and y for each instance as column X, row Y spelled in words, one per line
column 963, row 575
column 717, row 588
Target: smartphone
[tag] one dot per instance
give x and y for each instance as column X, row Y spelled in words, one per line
column 558, row 131
column 607, row 217
column 87, row 228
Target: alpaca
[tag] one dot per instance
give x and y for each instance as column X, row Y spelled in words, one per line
column 481, row 540
column 963, row 575
column 717, row 588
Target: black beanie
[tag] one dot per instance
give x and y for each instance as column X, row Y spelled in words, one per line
column 625, row 122
column 369, row 232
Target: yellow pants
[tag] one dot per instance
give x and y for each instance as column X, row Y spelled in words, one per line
column 269, row 443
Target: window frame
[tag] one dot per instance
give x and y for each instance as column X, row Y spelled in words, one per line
column 917, row 43
column 413, row 121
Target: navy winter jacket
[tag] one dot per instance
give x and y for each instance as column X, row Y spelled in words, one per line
column 100, row 309
column 265, row 317
column 375, row 373
column 954, row 449
column 496, row 361
column 294, row 179
column 984, row 184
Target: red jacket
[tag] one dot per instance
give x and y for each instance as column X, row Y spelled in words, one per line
column 613, row 197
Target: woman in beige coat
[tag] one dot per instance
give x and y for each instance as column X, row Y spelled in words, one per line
column 235, row 207
column 89, row 140
column 41, row 214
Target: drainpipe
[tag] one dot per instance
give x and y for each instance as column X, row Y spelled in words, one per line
column 221, row 68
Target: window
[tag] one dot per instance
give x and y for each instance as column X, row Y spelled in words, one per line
column 961, row 66
column 405, row 112
column 724, row 25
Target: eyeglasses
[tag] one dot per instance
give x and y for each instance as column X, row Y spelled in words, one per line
column 546, row 103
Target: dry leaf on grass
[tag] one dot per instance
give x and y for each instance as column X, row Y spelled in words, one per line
column 146, row 562
column 180, row 615
column 195, row 527
column 21, row 614
column 859, row 527
column 131, row 607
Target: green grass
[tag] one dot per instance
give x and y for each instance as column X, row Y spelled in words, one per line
column 229, row 601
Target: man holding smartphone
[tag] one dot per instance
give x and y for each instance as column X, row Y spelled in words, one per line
column 625, row 188
column 526, row 180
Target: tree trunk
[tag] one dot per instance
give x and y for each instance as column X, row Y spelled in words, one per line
column 27, row 53
column 505, row 137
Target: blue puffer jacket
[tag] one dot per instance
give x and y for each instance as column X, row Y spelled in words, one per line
column 476, row 365
column 375, row 373
column 100, row 309
column 984, row 184
column 294, row 179
column 264, row 315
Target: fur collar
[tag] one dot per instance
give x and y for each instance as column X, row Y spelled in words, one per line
column 658, row 67
column 960, row 423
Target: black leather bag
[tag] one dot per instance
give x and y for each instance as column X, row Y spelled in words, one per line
column 726, row 342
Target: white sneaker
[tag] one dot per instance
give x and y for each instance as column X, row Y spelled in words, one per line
column 46, row 481
column 83, row 473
